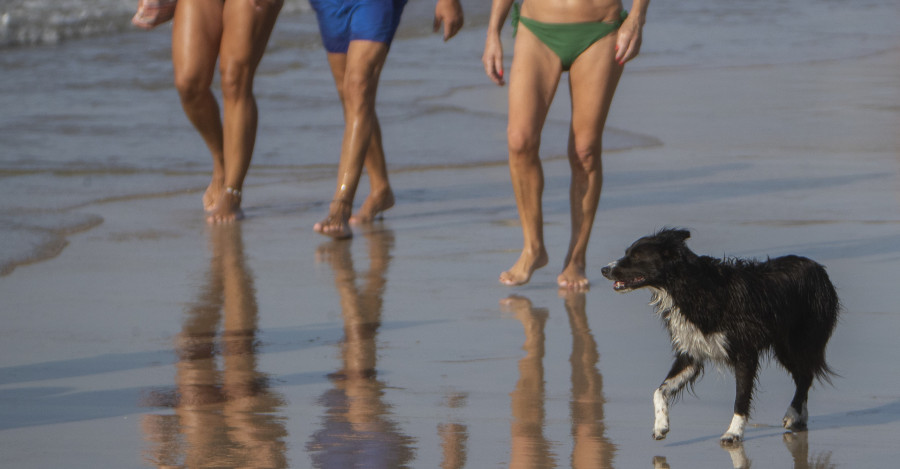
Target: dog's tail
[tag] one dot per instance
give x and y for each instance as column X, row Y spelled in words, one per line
column 825, row 374
column 826, row 310
column 808, row 331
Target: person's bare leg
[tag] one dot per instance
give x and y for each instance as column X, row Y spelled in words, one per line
column 196, row 34
column 244, row 39
column 592, row 81
column 380, row 197
column 534, row 76
column 358, row 85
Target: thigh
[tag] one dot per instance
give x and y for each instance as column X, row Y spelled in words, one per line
column 196, row 35
column 533, row 78
column 246, row 31
column 593, row 78
column 338, row 63
column 364, row 62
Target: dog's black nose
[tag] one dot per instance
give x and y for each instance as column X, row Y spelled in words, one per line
column 605, row 271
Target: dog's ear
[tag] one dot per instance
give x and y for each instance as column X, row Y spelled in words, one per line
column 677, row 235
column 681, row 235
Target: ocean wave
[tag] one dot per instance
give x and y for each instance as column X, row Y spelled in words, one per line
column 48, row 22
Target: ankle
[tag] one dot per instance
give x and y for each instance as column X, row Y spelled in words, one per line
column 341, row 207
column 236, row 193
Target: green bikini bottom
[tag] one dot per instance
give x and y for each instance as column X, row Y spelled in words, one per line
column 567, row 40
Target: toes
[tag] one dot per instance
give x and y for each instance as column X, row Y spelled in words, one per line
column 578, row 284
column 730, row 439
column 335, row 229
column 222, row 219
column 793, row 420
column 660, row 433
column 509, row 280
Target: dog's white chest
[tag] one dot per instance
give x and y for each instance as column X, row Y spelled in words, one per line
column 687, row 338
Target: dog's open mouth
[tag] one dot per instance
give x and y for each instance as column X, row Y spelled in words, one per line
column 625, row 285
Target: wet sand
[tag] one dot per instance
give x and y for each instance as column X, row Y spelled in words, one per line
column 154, row 340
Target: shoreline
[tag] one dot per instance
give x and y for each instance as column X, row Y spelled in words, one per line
column 155, row 340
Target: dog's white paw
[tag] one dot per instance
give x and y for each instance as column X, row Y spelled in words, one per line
column 659, row 433
column 661, row 414
column 795, row 421
column 731, row 439
column 735, row 433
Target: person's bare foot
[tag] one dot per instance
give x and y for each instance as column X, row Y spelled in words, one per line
column 211, row 196
column 573, row 278
column 337, row 224
column 520, row 272
column 227, row 208
column 375, row 204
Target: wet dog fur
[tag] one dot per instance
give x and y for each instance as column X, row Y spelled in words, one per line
column 732, row 312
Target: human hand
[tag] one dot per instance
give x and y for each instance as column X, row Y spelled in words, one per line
column 628, row 40
column 493, row 60
column 450, row 13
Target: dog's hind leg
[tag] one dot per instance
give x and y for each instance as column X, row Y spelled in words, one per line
column 796, row 416
column 745, row 380
column 684, row 371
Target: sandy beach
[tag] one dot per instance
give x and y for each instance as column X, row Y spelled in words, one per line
column 149, row 339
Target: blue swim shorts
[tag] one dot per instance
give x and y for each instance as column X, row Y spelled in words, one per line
column 342, row 21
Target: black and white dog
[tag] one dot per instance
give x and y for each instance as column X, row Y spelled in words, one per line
column 732, row 312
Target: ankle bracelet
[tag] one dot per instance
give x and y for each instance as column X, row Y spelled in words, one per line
column 232, row 191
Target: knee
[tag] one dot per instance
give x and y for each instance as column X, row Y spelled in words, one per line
column 237, row 78
column 585, row 157
column 523, row 144
column 192, row 86
column 358, row 90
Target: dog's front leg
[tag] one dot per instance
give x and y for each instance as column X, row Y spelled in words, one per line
column 744, row 377
column 685, row 370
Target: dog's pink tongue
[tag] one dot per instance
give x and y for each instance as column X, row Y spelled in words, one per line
column 618, row 285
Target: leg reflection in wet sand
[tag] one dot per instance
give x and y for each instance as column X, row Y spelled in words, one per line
column 357, row 430
column 454, row 435
column 225, row 414
column 530, row 448
column 797, row 443
column 591, row 448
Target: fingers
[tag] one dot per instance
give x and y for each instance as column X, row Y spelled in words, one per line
column 452, row 27
column 450, row 14
column 493, row 62
column 492, row 59
column 622, row 55
column 494, row 70
column 498, row 71
column 628, row 44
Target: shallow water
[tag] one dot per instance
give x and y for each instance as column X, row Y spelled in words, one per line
column 96, row 119
column 150, row 340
